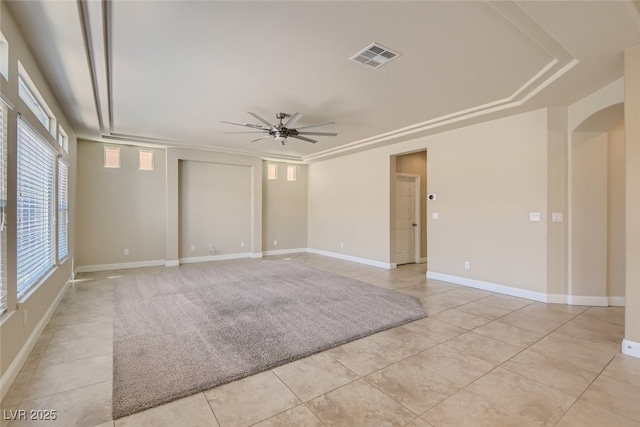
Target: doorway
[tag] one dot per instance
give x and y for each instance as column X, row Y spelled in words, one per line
column 407, row 218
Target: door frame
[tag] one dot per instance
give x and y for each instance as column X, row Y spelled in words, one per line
column 417, row 243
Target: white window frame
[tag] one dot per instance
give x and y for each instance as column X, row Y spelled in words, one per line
column 291, row 173
column 32, row 98
column 115, row 149
column 3, row 206
column 140, row 154
column 272, row 171
column 63, row 139
column 4, row 57
column 63, row 209
column 35, row 208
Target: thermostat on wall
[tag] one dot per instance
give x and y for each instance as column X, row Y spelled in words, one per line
column 431, row 196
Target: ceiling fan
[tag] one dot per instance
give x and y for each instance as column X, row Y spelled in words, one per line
column 280, row 132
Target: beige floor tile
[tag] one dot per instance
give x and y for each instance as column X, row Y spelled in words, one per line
column 509, row 334
column 48, row 380
column 315, row 375
column 78, row 331
column 18, row 388
column 506, row 302
column 423, row 290
column 573, row 309
column 459, row 367
column 588, row 334
column 402, row 341
column 264, row 393
column 572, row 353
column 359, row 404
column 613, row 315
column 624, row 368
column 547, row 313
column 444, row 300
column 615, row 396
column 552, row 372
column 300, row 416
column 413, row 385
column 529, row 322
column 502, row 398
column 192, row 411
column 363, row 356
column 460, row 319
column 68, row 351
column 470, row 294
column 106, row 424
column 81, row 407
column 419, row 422
column 435, row 329
column 583, row 414
column 484, row 348
column 477, row 308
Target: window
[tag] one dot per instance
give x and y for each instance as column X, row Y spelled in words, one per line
column 3, row 206
column 272, row 171
column 146, row 160
column 35, row 208
column 4, row 57
column 291, row 172
column 31, row 97
column 111, row 157
column 63, row 139
column 63, row 210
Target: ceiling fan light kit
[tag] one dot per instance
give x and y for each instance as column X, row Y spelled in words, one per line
column 281, row 131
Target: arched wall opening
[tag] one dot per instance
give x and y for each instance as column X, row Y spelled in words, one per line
column 598, row 209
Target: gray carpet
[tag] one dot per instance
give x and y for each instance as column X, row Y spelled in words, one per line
column 186, row 330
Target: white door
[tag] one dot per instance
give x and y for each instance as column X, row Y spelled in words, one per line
column 405, row 219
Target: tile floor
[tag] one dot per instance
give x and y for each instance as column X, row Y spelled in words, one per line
column 479, row 359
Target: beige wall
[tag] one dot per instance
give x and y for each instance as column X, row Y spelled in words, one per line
column 17, row 336
column 632, row 192
column 589, row 214
column 215, row 209
column 284, row 209
column 488, row 178
column 615, row 211
column 416, row 164
column 119, row 208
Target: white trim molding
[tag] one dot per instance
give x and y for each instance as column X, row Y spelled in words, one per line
column 488, row 286
column 366, row 261
column 631, row 348
column 617, row 301
column 14, row 369
column 595, row 301
column 206, row 258
column 285, row 251
column 121, row 266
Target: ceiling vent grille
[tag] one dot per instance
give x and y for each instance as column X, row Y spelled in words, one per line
column 374, row 56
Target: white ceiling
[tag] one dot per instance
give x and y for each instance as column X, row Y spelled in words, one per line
column 167, row 72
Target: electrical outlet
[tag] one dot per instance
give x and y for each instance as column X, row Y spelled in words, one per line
column 193, row 247
column 126, row 251
column 211, row 247
column 242, row 244
column 467, row 265
column 342, row 244
column 275, row 243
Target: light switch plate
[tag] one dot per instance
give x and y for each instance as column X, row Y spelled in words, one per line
column 534, row 216
column 557, row 217
column 435, row 215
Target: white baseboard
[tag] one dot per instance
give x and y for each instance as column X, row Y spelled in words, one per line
column 172, row 263
column 595, row 301
column 120, row 266
column 617, row 301
column 366, row 261
column 557, row 299
column 191, row 260
column 14, row 369
column 488, row 286
column 631, row 348
column 423, row 260
column 285, row 251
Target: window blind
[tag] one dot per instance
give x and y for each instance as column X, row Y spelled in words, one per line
column 35, row 208
column 3, row 207
column 26, row 94
column 63, row 210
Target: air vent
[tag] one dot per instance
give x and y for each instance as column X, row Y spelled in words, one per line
column 374, row 56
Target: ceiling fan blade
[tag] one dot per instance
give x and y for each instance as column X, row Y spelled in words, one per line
column 256, row 140
column 313, row 126
column 246, row 125
column 303, row 138
column 257, row 131
column 292, row 120
column 261, row 119
column 319, row 133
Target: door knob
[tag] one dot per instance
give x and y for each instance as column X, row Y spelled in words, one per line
column 415, row 225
